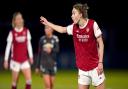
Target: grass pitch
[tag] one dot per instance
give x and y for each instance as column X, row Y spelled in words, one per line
column 67, row 79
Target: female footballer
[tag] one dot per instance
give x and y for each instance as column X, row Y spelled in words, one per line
column 19, row 42
column 88, row 45
column 46, row 62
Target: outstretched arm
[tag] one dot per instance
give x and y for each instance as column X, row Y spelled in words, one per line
column 57, row 28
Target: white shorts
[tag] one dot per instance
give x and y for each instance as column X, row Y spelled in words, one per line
column 16, row 66
column 86, row 77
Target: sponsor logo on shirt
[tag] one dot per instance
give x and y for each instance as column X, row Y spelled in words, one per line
column 82, row 38
column 20, row 39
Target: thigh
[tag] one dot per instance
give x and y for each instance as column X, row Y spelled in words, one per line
column 26, row 70
column 83, row 86
column 47, row 81
column 52, row 79
column 15, row 76
column 25, row 65
column 14, row 66
column 84, row 78
column 97, row 79
column 101, row 86
column 27, row 73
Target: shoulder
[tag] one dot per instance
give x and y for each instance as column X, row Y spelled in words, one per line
column 56, row 38
column 42, row 38
column 11, row 32
column 91, row 21
column 25, row 28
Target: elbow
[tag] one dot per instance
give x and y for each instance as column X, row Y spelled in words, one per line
column 62, row 31
column 102, row 45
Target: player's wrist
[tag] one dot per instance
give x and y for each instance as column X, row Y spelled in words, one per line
column 100, row 62
column 5, row 60
column 31, row 58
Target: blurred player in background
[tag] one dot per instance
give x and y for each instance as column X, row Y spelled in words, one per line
column 46, row 62
column 88, row 45
column 19, row 42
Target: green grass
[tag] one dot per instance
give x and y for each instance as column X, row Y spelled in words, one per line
column 67, row 79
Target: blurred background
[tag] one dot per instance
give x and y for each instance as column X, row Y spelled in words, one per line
column 111, row 17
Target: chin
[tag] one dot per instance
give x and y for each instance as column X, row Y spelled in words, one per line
column 75, row 22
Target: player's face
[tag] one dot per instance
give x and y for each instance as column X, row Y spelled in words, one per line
column 48, row 31
column 75, row 15
column 18, row 21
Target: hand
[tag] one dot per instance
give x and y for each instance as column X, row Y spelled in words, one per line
column 100, row 68
column 6, row 64
column 31, row 60
column 48, row 50
column 37, row 71
column 43, row 20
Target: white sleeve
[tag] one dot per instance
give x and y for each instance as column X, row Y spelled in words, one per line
column 8, row 47
column 28, row 35
column 97, row 31
column 70, row 29
column 30, row 51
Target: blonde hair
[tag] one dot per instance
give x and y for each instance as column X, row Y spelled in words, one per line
column 14, row 17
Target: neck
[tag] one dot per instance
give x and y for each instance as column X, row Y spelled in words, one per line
column 49, row 36
column 82, row 22
column 19, row 27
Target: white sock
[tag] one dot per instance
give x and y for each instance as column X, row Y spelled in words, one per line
column 29, row 82
column 13, row 83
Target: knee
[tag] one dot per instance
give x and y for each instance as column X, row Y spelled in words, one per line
column 14, row 80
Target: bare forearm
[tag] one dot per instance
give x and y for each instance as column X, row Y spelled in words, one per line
column 100, row 48
column 101, row 51
column 57, row 28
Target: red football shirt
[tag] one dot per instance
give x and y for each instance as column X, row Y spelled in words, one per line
column 19, row 41
column 19, row 45
column 85, row 44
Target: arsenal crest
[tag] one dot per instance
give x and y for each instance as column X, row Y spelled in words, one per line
column 24, row 33
column 87, row 29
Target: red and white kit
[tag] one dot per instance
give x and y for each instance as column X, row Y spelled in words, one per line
column 19, row 42
column 86, row 50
